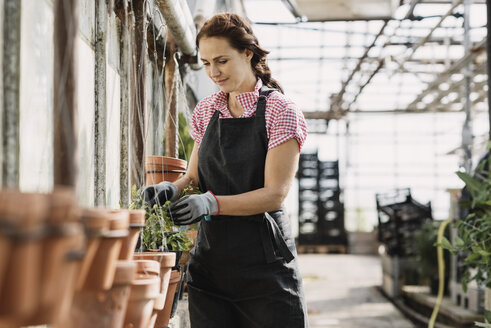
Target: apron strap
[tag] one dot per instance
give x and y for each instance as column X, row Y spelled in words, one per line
column 270, row 227
column 261, row 101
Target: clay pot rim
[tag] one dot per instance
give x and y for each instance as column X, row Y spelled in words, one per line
column 147, row 266
column 166, row 259
column 119, row 219
column 96, row 221
column 175, row 276
column 125, row 273
column 145, row 288
column 137, row 218
column 63, row 206
column 30, row 220
column 165, row 161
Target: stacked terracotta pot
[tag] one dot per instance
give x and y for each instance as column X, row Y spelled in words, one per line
column 104, row 282
column 163, row 305
column 70, row 267
column 42, row 244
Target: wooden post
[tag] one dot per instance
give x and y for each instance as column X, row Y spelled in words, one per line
column 125, row 42
column 100, row 104
column 138, row 96
column 11, row 100
column 65, row 100
column 171, row 123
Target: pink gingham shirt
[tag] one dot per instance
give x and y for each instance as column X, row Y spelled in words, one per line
column 284, row 120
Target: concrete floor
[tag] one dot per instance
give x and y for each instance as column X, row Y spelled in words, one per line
column 341, row 292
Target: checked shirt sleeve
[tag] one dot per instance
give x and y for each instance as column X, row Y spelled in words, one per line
column 287, row 122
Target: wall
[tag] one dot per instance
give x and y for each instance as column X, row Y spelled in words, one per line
column 101, row 97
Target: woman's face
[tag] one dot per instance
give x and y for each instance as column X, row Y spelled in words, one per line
column 230, row 69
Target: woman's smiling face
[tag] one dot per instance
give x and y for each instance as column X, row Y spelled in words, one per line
column 229, row 68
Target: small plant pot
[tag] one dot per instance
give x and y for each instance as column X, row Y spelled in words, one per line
column 166, row 261
column 137, row 221
column 100, row 309
column 151, row 268
column 62, row 254
column 162, row 168
column 164, row 315
column 96, row 224
column 143, row 293
column 103, row 267
column 19, row 296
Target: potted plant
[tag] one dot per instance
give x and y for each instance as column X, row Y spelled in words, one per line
column 474, row 231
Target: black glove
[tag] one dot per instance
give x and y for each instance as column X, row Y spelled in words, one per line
column 160, row 193
column 191, row 209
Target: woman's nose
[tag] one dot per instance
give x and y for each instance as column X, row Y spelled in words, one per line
column 214, row 71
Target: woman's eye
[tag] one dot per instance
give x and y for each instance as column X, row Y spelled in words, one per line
column 206, row 64
column 222, row 61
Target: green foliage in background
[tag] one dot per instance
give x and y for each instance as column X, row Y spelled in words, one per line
column 424, row 240
column 474, row 232
column 185, row 142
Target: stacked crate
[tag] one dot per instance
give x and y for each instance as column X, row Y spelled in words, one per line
column 399, row 218
column 321, row 211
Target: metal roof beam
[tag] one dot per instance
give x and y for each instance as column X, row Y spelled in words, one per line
column 455, row 68
column 428, row 36
column 339, row 96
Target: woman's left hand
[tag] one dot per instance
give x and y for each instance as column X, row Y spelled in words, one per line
column 191, row 209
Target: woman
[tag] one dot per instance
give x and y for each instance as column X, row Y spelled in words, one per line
column 243, row 270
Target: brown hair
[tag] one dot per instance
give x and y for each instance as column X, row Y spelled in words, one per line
column 240, row 36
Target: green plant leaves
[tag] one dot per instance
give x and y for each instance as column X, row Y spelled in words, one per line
column 445, row 244
column 472, row 184
column 474, row 231
column 159, row 232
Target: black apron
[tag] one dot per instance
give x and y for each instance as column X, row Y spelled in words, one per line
column 242, row 271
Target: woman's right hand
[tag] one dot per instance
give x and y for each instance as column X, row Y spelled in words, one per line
column 160, row 193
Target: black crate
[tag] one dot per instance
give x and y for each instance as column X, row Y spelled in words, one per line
column 321, row 212
column 399, row 218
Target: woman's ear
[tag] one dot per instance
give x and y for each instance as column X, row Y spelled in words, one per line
column 248, row 53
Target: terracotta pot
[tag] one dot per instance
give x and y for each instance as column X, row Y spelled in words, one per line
column 100, row 309
column 151, row 268
column 167, row 260
column 6, row 231
column 63, row 251
column 141, row 301
column 192, row 234
column 137, row 221
column 5, row 249
column 103, row 267
column 96, row 224
column 24, row 213
column 164, row 315
column 145, row 268
column 161, row 168
column 183, row 259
